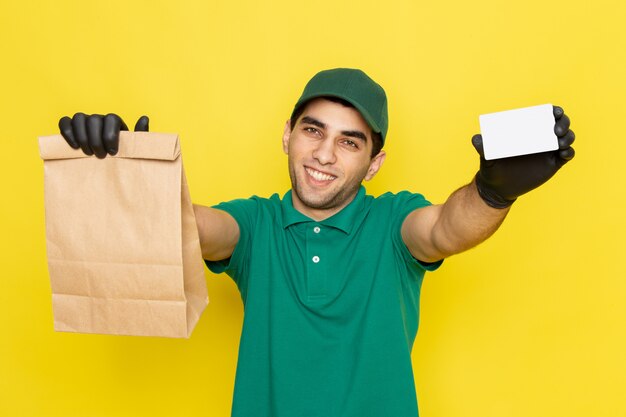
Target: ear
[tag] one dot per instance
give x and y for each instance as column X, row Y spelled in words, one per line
column 286, row 135
column 375, row 165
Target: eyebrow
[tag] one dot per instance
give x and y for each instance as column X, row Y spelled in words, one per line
column 311, row 121
column 355, row 134
column 350, row 133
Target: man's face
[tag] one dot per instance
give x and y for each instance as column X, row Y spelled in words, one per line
column 329, row 151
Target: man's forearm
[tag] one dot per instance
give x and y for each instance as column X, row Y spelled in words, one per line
column 218, row 232
column 465, row 221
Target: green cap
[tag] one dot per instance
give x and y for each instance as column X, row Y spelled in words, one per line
column 354, row 86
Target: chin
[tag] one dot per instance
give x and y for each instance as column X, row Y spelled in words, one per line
column 315, row 200
column 326, row 200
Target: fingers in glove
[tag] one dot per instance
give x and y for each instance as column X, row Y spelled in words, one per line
column 562, row 125
column 143, row 124
column 80, row 132
column 477, row 141
column 111, row 132
column 557, row 112
column 566, row 140
column 123, row 126
column 65, row 126
column 94, row 132
column 567, row 154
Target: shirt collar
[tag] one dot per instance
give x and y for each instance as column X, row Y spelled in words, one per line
column 345, row 220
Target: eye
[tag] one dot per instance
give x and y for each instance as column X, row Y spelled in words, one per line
column 313, row 130
column 351, row 143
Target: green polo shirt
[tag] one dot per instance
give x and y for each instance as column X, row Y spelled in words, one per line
column 331, row 308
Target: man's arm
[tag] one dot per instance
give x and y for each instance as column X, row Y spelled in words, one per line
column 218, row 232
column 462, row 222
column 474, row 212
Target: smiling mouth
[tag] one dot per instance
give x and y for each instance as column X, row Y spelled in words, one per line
column 319, row 176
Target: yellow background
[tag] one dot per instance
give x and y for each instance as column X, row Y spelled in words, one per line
column 531, row 323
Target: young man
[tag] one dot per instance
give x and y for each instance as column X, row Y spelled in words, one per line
column 330, row 277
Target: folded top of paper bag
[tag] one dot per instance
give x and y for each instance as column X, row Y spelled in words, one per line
column 137, row 145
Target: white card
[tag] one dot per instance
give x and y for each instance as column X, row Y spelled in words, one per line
column 518, row 132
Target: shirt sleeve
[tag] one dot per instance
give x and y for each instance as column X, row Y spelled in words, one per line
column 404, row 203
column 245, row 213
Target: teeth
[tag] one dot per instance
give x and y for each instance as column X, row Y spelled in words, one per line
column 319, row 176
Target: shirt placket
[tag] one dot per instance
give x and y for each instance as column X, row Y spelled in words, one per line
column 316, row 261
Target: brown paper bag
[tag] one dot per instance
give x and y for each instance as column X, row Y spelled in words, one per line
column 123, row 250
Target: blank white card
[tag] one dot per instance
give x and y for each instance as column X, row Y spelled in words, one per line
column 518, row 132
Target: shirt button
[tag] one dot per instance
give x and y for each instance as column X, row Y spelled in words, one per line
column 316, row 229
column 316, row 259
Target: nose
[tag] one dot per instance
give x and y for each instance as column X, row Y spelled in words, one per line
column 324, row 153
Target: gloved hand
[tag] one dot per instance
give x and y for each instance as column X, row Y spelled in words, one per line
column 97, row 134
column 501, row 181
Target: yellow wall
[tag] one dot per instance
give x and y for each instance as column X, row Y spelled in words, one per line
column 531, row 323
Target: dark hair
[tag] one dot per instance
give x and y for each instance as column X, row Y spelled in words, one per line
column 377, row 140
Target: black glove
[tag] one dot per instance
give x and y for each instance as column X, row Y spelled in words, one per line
column 501, row 181
column 97, row 134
